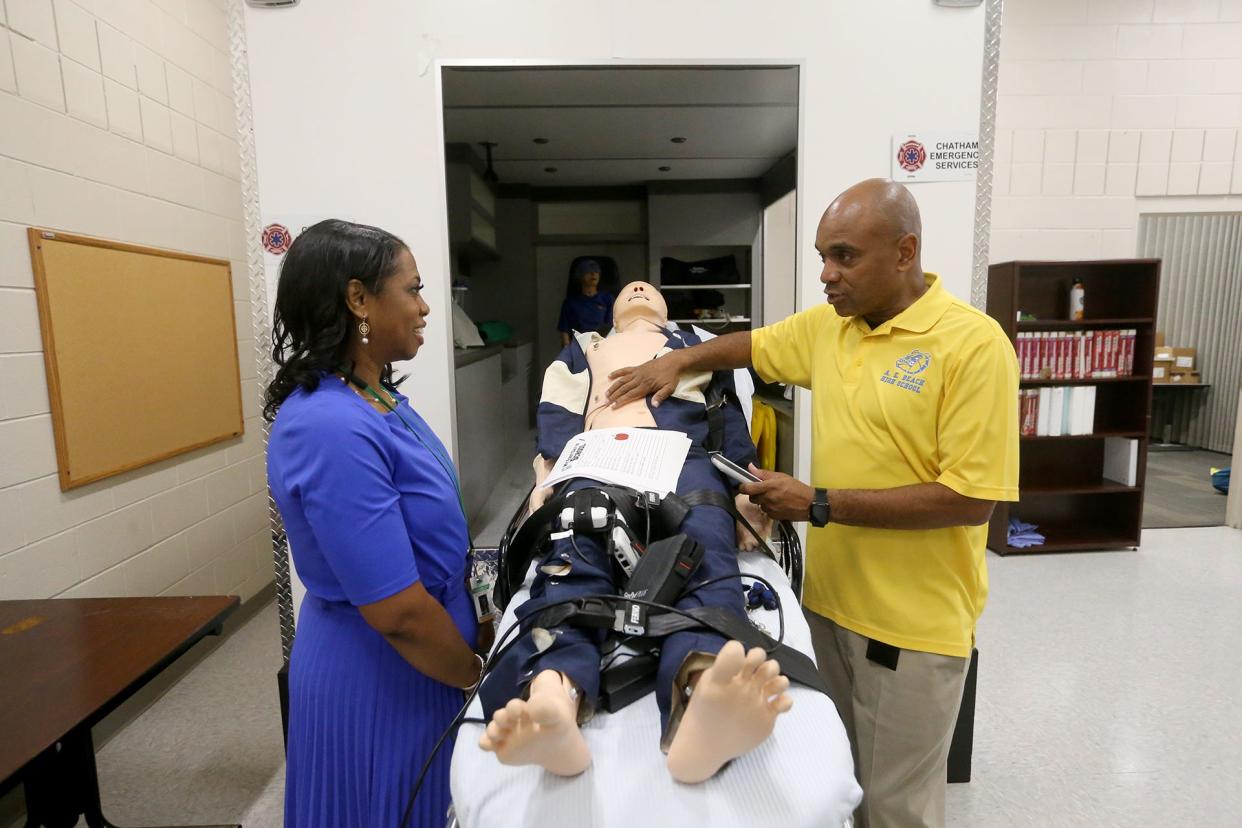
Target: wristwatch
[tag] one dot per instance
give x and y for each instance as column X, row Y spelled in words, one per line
column 821, row 511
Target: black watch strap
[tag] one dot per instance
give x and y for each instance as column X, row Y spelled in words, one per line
column 821, row 511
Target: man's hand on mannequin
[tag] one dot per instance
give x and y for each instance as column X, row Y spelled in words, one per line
column 657, row 378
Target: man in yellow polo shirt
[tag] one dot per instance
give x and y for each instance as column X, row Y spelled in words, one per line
column 915, row 437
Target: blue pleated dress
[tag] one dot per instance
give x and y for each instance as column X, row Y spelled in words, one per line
column 370, row 508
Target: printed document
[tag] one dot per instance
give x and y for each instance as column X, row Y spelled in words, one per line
column 645, row 459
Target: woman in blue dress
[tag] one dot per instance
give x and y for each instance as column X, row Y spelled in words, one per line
column 586, row 308
column 370, row 500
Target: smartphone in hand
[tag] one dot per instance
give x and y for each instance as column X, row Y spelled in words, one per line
column 730, row 469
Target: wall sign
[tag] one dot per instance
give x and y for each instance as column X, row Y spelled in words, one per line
column 935, row 156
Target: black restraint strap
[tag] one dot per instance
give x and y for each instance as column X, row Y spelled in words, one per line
column 716, row 400
column 797, row 666
column 709, row 497
column 603, row 614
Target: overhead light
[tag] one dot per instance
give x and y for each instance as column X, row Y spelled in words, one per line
column 678, row 140
column 541, row 140
column 664, row 169
column 549, row 169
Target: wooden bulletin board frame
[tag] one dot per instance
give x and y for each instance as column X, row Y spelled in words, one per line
column 140, row 349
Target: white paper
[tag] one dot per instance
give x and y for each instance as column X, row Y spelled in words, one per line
column 645, row 459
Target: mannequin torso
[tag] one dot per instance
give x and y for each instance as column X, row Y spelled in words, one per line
column 607, row 355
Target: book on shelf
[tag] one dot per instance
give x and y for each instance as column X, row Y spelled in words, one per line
column 1121, row 460
column 1095, row 354
column 1057, row 411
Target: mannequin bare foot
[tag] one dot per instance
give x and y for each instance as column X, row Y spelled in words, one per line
column 540, row 731
column 732, row 709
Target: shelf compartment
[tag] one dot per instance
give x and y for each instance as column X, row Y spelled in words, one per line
column 1073, row 466
column 1083, row 324
column 1075, row 521
column 1115, row 288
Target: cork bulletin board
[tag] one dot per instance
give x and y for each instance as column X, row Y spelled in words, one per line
column 140, row 348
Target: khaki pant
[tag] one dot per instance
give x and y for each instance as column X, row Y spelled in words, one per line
column 900, row 723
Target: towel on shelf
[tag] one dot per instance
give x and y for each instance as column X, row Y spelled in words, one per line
column 1023, row 535
column 763, row 433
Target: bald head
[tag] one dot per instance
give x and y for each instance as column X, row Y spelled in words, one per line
column 881, row 204
column 869, row 239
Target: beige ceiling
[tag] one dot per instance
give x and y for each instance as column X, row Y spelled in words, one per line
column 608, row 126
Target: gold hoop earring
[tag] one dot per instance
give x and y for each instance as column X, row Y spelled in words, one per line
column 364, row 329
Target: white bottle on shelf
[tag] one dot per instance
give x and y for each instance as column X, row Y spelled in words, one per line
column 1077, row 299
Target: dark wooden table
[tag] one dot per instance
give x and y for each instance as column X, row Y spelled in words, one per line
column 67, row 663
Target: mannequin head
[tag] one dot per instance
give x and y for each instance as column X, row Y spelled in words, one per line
column 637, row 304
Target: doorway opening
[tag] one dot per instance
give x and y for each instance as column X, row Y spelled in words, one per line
column 656, row 173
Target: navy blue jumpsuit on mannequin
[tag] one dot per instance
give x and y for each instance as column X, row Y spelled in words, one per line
column 575, row 651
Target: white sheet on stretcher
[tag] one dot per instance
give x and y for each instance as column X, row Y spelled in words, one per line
column 802, row 775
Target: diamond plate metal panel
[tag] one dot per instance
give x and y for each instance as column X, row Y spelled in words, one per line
column 259, row 321
column 987, row 143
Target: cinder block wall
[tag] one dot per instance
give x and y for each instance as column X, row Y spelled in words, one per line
column 1103, row 103
column 117, row 120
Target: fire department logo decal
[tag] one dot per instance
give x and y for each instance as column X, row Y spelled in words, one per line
column 276, row 239
column 911, row 156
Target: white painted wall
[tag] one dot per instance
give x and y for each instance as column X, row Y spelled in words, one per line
column 347, row 109
column 117, row 120
column 1103, row 105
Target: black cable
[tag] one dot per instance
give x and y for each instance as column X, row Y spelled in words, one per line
column 499, row 651
column 780, row 605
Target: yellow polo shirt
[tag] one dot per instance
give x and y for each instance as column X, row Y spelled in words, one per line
column 929, row 396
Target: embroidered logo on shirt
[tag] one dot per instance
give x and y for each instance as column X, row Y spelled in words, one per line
column 908, row 367
column 915, row 362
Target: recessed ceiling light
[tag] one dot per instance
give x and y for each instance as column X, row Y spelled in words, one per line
column 549, row 169
column 678, row 140
column 664, row 169
column 541, row 140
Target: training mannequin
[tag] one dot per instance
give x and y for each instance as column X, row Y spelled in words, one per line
column 717, row 701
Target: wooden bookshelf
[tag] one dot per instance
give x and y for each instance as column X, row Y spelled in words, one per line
column 1061, row 484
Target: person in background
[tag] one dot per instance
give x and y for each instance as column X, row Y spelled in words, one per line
column 586, row 308
column 386, row 634
column 915, row 437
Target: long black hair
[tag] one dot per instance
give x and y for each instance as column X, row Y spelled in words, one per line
column 311, row 324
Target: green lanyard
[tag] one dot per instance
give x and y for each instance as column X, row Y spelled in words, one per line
column 444, row 461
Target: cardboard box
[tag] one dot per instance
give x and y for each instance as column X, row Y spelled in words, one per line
column 1159, row 338
column 1184, row 359
column 1189, row 378
column 1163, row 354
column 1160, row 373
